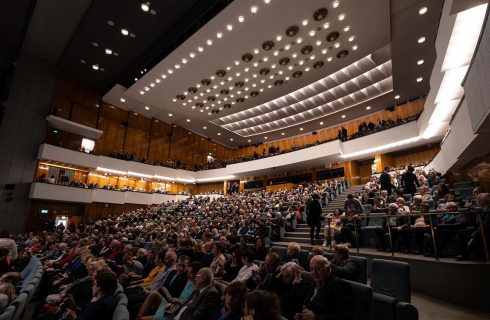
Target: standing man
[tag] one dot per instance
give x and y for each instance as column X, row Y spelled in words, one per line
column 313, row 216
column 385, row 181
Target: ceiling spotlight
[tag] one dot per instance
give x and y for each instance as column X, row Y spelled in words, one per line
column 337, row 45
column 295, row 55
column 354, row 47
column 335, row 4
column 147, row 89
column 423, row 10
column 419, row 79
column 200, row 49
column 132, row 35
column 267, row 1
column 110, row 22
column 188, row 120
column 241, row 19
column 219, row 133
column 254, row 9
column 321, row 123
column 300, row 129
column 95, row 44
column 279, row 38
column 326, row 25
column 192, row 54
column 231, row 139
column 108, row 51
column 147, row 108
column 142, row 92
column 421, row 40
column 324, row 51
column 318, row 43
column 256, row 51
column 145, row 7
column 397, row 97
column 124, row 32
column 305, row 22
column 299, row 40
column 164, row 76
column 170, row 115
column 229, row 27
column 265, row 138
column 346, row 28
column 157, row 80
column 341, row 16
column 209, row 42
column 95, row 66
column 122, row 100
column 219, row 35
column 83, row 61
column 419, row 62
column 351, row 38
column 312, row 33
column 329, row 59
column 177, row 66
column 343, row 116
column 170, row 71
column 368, row 108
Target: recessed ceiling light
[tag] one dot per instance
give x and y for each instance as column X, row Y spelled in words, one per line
column 299, row 40
column 192, row 54
column 337, row 45
column 200, row 49
column 397, row 96
column 231, row 139
column 122, row 100
column 219, row 35
column 95, row 66
column 110, row 22
column 312, row 33
column 300, row 129
column 219, row 133
column 321, row 123
column 95, row 44
column 324, row 51
column 177, row 66
column 283, row 133
column 421, row 40
column 368, row 108
column 287, row 47
column 279, row 38
column 188, row 120
column 265, row 137
column 174, row 100
column 147, row 89
column 145, row 7
column 351, row 38
column 229, row 27
column 147, row 108
column 241, row 19
column 354, row 47
column 256, row 51
column 346, row 28
column 419, row 62
column 419, row 79
column 83, row 61
column 341, row 16
column 318, row 43
column 209, row 42
column 170, row 71
column 329, row 59
column 164, row 76
column 170, row 115
column 335, row 4
column 249, row 140
column 124, row 32
column 204, row 128
column 423, row 10
column 184, row 61
column 305, row 22
column 254, row 9
column 135, row 113
column 326, row 25
column 108, row 51
column 132, row 35
column 343, row 116
column 142, row 92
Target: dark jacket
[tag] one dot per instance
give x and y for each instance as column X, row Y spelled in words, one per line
column 101, row 309
column 203, row 306
column 385, row 182
column 314, row 213
column 347, row 269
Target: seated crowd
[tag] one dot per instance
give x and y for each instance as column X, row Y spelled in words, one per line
column 415, row 204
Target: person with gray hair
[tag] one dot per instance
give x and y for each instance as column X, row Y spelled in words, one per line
column 293, row 289
column 343, row 266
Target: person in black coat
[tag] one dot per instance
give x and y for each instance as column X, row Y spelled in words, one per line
column 385, row 181
column 410, row 182
column 313, row 216
column 328, row 297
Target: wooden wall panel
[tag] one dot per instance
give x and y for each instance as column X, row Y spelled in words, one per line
column 415, row 157
column 36, row 220
column 86, row 115
column 208, row 187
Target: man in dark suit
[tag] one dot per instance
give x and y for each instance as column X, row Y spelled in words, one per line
column 329, row 297
column 343, row 266
column 313, row 216
column 385, row 181
column 205, row 301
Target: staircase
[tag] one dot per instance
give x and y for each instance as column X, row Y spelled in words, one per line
column 301, row 234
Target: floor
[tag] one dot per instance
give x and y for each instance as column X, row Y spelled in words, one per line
column 433, row 309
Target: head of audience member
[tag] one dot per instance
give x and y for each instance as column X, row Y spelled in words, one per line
column 217, row 249
column 422, row 190
column 259, row 243
column 9, row 290
column 4, row 302
column 293, row 249
column 11, row 277
column 170, row 258
column 247, row 256
column 451, row 207
column 386, row 169
column 337, row 212
column 204, row 278
column 318, row 250
column 160, row 259
column 424, row 208
column 192, row 271
column 288, row 272
column 234, row 297
column 384, row 194
column 393, row 208
column 261, row 304
column 4, row 252
column 105, row 283
column 272, row 262
column 483, row 200
column 340, row 253
column 417, row 200
column 142, row 252
column 320, row 269
column 183, row 264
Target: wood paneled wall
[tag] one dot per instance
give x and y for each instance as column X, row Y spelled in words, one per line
column 477, row 171
column 208, row 187
column 132, row 133
column 415, row 157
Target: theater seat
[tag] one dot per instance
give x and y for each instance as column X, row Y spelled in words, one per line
column 120, row 313
column 363, row 301
column 8, row 313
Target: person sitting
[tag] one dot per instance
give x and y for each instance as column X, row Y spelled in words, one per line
column 249, row 267
column 293, row 255
column 234, row 301
column 328, row 297
column 260, row 304
column 219, row 260
column 334, row 226
column 343, row 266
column 293, row 289
column 451, row 222
column 103, row 302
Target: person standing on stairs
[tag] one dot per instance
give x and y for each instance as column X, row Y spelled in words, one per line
column 313, row 216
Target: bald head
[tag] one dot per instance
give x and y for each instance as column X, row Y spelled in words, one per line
column 320, row 269
column 204, row 278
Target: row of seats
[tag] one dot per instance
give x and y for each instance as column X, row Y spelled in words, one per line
column 121, row 312
column 31, row 277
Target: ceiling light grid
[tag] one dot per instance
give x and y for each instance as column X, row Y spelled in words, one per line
column 359, row 97
column 357, row 68
column 339, row 91
column 255, row 82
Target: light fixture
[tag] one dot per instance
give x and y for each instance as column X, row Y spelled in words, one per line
column 170, row 115
column 321, row 123
column 188, row 120
column 231, row 139
column 124, row 32
column 351, row 38
column 354, row 47
column 241, row 19
column 312, row 33
column 329, row 59
column 335, row 4
column 192, row 54
column 419, row 62
column 305, row 22
column 204, row 128
column 283, row 133
column 95, row 66
column 209, row 42
column 142, row 92
column 145, row 7
column 265, row 138
column 256, row 51
column 423, row 10
column 326, row 25
column 299, row 40
column 108, row 51
column 279, row 38
column 397, row 97
column 318, row 43
column 300, row 129
column 229, row 27
column 177, row 66
column 421, row 40
column 157, row 80
column 200, row 49
column 341, row 16
column 368, row 108
column 346, row 28
column 219, row 133
column 147, row 89
column 343, row 116
column 419, row 79
column 110, row 22
column 219, row 35
column 147, row 108
column 122, row 100
column 184, row 61
column 254, row 9
column 337, row 45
